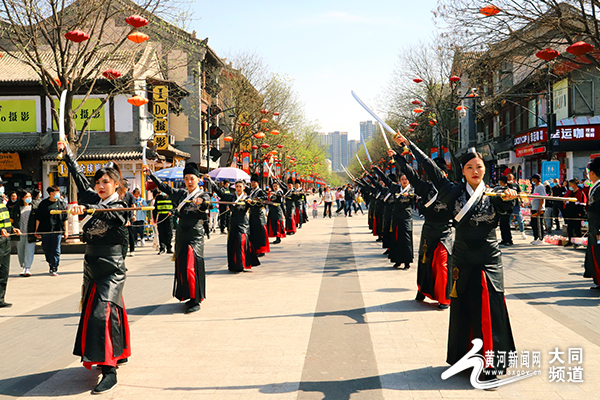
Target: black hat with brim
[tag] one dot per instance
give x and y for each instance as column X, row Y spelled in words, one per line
column 191, row 168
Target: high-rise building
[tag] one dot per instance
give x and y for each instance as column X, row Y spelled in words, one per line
column 353, row 146
column 339, row 149
column 344, row 148
column 367, row 130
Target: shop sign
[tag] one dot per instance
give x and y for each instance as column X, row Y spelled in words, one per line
column 550, row 170
column 535, row 136
column 97, row 123
column 179, row 162
column 10, row 161
column 88, row 168
column 17, row 116
column 524, row 151
column 161, row 142
column 587, row 132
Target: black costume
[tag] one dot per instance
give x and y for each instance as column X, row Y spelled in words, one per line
column 478, row 308
column 103, row 333
column 164, row 220
column 290, row 211
column 436, row 237
column 4, row 252
column 593, row 256
column 190, row 277
column 259, row 237
column 276, row 217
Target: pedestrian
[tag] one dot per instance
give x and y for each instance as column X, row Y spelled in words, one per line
column 214, row 211
column 36, row 196
column 129, row 200
column 240, row 256
column 436, row 236
column 12, row 201
column 300, row 204
column 164, row 222
column 592, row 260
column 290, row 209
column 558, row 190
column 537, row 210
column 327, row 198
column 51, row 227
column 478, row 308
column 574, row 212
column 192, row 203
column 505, row 218
column 276, row 216
column 153, row 217
column 3, row 198
column 226, row 195
column 548, row 211
column 103, row 337
column 139, row 217
column 23, row 217
column 315, row 209
column 259, row 236
column 6, row 228
column 516, row 211
column 349, row 199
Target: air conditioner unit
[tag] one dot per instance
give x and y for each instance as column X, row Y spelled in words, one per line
column 172, row 140
column 480, row 137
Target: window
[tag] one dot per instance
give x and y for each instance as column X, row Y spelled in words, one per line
column 507, row 122
column 532, row 114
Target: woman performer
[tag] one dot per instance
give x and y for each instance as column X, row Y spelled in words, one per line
column 259, row 237
column 399, row 235
column 378, row 209
column 191, row 203
column 103, row 333
column 276, row 218
column 290, row 208
column 239, row 252
column 477, row 308
column 436, row 236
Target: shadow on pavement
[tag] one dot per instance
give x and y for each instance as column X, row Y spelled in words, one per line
column 80, row 380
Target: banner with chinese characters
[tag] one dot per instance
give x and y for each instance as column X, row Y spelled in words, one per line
column 17, row 116
column 97, row 123
column 265, row 169
column 89, row 168
column 278, row 170
column 245, row 156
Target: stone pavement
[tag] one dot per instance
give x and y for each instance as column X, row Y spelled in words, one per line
column 324, row 316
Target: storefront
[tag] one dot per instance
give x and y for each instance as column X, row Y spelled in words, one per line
column 573, row 147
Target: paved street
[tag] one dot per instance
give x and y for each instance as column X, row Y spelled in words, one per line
column 324, row 317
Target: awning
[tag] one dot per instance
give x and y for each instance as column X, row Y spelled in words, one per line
column 174, row 152
column 109, row 153
column 24, row 142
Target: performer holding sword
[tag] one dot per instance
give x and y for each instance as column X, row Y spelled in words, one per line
column 103, row 334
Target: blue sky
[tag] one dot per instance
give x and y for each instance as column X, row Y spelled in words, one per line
column 327, row 47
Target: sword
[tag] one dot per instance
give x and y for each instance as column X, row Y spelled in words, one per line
column 535, row 196
column 362, row 140
column 144, row 146
column 361, row 164
column 387, row 143
column 382, row 122
column 62, row 137
column 94, row 210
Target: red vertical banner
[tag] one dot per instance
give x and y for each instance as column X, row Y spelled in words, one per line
column 235, row 160
column 245, row 156
column 278, row 170
column 265, row 169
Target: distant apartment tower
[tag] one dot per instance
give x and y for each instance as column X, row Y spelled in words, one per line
column 344, row 148
column 338, row 150
column 326, row 142
column 353, row 146
column 367, row 130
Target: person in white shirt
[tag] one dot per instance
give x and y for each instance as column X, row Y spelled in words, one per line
column 327, row 198
column 537, row 210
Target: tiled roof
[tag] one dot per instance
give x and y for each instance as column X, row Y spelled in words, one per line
column 172, row 151
column 24, row 141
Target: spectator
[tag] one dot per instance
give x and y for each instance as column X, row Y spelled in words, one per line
column 51, row 227
column 3, row 197
column 139, row 217
column 36, row 196
column 214, row 211
column 505, row 218
column 548, row 211
column 12, row 201
column 328, row 200
column 340, row 197
column 574, row 212
column 348, row 200
column 23, row 217
column 537, row 210
column 129, row 199
column 315, row 209
column 558, row 190
column 517, row 208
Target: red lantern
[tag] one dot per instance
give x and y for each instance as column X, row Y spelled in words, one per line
column 111, row 74
column 460, row 108
column 265, row 145
column 433, row 122
column 417, row 80
column 276, row 113
column 418, row 110
column 454, row 78
column 280, row 146
column 138, row 37
column 57, row 81
column 416, row 102
column 254, row 147
column 411, row 130
column 287, row 156
column 136, row 21
column 137, row 101
column 580, row 48
column 228, row 139
column 413, row 124
column 293, row 159
column 274, row 132
column 547, row 54
column 264, row 120
column 265, row 111
column 490, row 10
column 259, row 135
column 77, row 36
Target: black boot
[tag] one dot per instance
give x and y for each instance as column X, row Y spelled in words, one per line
column 108, row 382
column 406, row 266
column 420, row 296
column 277, row 241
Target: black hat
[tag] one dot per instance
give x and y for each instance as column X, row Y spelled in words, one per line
column 191, row 168
column 594, row 165
column 441, row 163
column 254, row 178
column 471, row 154
column 290, row 180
